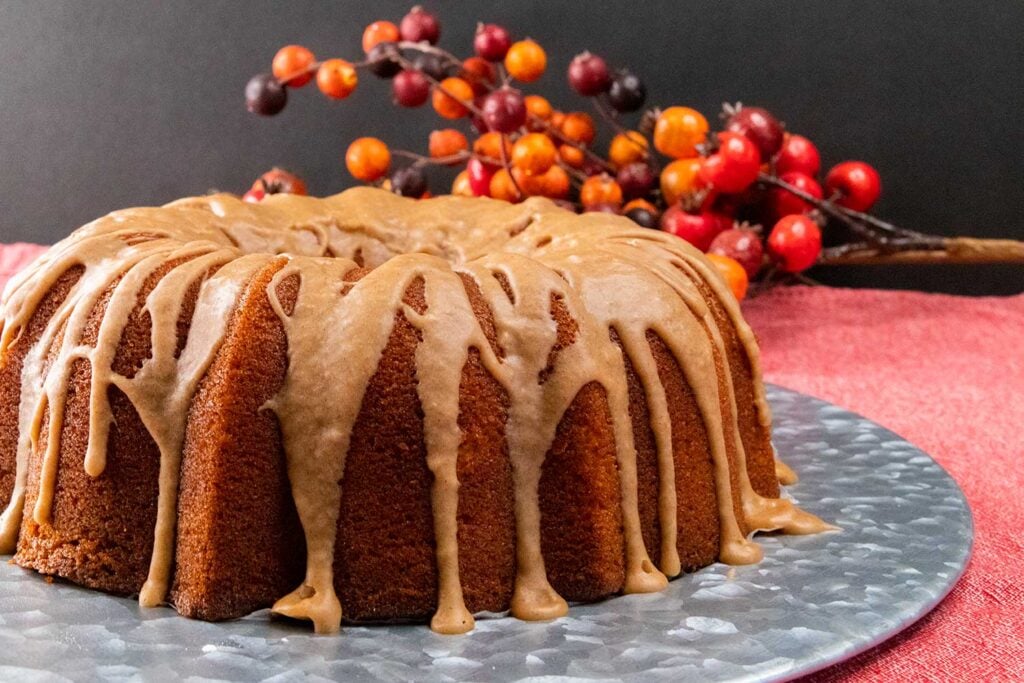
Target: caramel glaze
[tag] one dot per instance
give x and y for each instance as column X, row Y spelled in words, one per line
column 577, row 306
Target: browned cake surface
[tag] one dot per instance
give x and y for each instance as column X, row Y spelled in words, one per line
column 384, row 554
column 239, row 542
column 10, row 377
column 581, row 514
column 756, row 438
column 696, row 499
column 100, row 533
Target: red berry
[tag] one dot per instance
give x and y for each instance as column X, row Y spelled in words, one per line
column 699, row 229
column 265, row 95
column 760, row 127
column 857, row 183
column 419, row 25
column 741, row 244
column 798, row 154
column 504, row 110
column 636, row 180
column 492, row 42
column 410, row 88
column 734, row 167
column 480, row 175
column 795, row 242
column 588, row 74
column 254, row 195
column 784, row 202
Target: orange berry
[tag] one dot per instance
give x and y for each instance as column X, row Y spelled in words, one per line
column 336, row 78
column 530, row 185
column 732, row 272
column 449, row 97
column 379, row 32
column 460, row 186
column 571, row 156
column 489, row 145
column 579, row 127
column 600, row 189
column 534, row 153
column 479, row 73
column 368, row 159
column 502, row 186
column 538, row 106
column 526, row 61
column 680, row 178
column 555, row 183
column 447, row 143
column 678, row 131
column 279, row 181
column 640, row 204
column 627, row 148
column 291, row 65
column 556, row 119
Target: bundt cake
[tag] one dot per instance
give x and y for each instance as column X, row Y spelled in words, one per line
column 373, row 408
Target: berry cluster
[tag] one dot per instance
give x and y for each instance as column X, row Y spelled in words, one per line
column 669, row 171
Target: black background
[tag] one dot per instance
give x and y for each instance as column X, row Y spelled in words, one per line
column 112, row 104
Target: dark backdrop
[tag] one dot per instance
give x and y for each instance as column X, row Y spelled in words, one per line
column 110, row 104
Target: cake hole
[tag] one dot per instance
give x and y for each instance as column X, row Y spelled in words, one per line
column 140, row 238
column 505, row 285
column 543, row 241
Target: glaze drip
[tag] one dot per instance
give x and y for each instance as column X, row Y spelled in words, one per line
column 607, row 274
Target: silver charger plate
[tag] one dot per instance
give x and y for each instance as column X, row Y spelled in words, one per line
column 814, row 600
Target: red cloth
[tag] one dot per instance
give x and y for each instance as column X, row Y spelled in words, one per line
column 947, row 373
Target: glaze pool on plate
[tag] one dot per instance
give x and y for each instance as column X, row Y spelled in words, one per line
column 813, row 601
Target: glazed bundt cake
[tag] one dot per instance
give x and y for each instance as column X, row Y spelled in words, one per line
column 373, row 408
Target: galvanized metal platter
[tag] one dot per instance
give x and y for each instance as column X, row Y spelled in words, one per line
column 815, row 600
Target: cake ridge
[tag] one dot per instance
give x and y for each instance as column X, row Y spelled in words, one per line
column 608, row 273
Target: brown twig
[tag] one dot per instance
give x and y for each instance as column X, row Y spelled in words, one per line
column 936, row 250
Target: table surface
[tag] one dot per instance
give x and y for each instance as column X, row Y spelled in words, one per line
column 946, row 373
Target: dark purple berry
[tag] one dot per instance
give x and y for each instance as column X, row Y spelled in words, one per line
column 588, row 74
column 504, row 110
column 642, row 217
column 627, row 92
column 760, row 127
column 432, row 65
column 265, row 95
column 381, row 60
column 636, row 180
column 409, row 182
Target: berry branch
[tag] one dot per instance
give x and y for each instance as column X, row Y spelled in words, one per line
column 714, row 189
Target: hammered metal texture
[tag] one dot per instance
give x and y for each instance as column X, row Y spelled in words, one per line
column 814, row 600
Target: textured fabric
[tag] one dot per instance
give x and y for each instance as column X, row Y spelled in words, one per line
column 946, row 373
